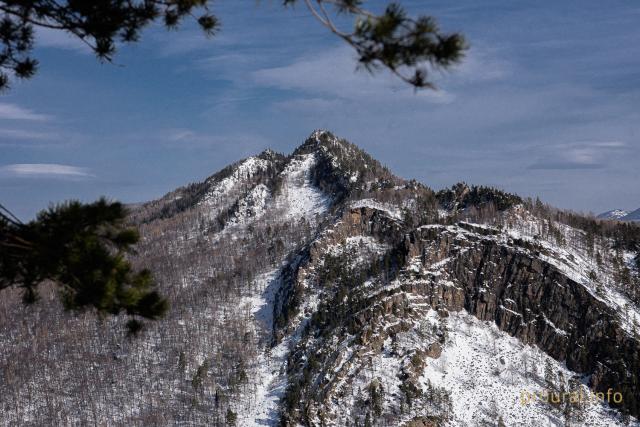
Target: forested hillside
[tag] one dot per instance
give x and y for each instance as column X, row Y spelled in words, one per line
column 318, row 288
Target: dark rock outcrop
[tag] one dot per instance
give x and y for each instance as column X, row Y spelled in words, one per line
column 535, row 302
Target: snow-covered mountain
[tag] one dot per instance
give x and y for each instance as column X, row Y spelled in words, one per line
column 613, row 214
column 621, row 215
column 319, row 289
column 632, row 216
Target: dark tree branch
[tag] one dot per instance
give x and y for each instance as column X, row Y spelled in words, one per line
column 407, row 46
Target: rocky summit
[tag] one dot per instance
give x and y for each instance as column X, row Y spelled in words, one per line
column 319, row 289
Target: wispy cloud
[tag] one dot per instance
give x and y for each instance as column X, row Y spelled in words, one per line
column 582, row 155
column 171, row 43
column 332, row 73
column 229, row 146
column 480, row 64
column 177, row 135
column 44, row 170
column 28, row 135
column 51, row 38
column 15, row 112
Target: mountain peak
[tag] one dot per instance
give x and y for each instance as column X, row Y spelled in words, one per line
column 341, row 152
column 320, row 138
column 620, row 215
column 344, row 168
column 318, row 134
column 269, row 154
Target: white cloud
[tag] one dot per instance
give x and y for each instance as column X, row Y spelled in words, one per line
column 332, row 73
column 22, row 134
column 15, row 112
column 579, row 155
column 50, row 38
column 171, row 43
column 44, row 170
column 230, row 146
column 480, row 64
column 176, row 135
column 610, row 144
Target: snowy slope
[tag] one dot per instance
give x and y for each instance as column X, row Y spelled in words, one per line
column 295, row 197
column 261, row 407
column 490, row 374
column 299, row 198
column 389, row 209
column 575, row 261
column 613, row 214
column 221, row 193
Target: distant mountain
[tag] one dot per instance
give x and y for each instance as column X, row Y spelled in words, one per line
column 319, row 289
column 621, row 215
column 613, row 214
column 633, row 216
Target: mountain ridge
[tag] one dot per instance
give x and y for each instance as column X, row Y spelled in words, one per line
column 320, row 289
column 620, row 215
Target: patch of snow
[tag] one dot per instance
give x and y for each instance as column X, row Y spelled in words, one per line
column 359, row 250
column 299, row 198
column 613, row 214
column 573, row 260
column 391, row 210
column 489, row 374
column 261, row 409
column 219, row 190
column 252, row 206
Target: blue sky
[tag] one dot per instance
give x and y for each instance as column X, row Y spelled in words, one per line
column 546, row 103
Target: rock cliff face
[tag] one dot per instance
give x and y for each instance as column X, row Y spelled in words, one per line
column 535, row 302
column 443, row 268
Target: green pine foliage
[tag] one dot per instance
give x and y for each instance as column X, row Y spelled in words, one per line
column 462, row 196
column 391, row 39
column 394, row 40
column 82, row 249
column 101, row 25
